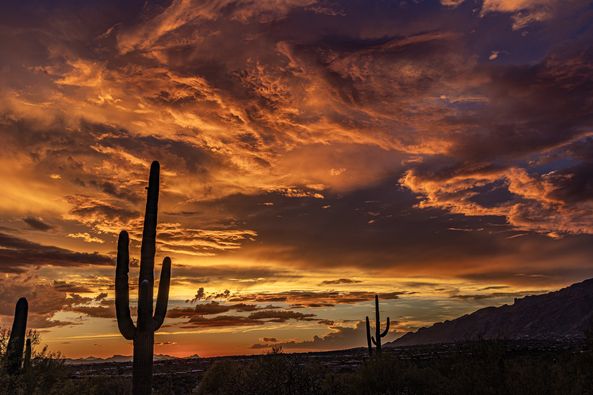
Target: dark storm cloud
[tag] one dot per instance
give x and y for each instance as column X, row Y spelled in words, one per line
column 46, row 300
column 527, row 107
column 108, row 201
column 375, row 226
column 95, row 311
column 110, row 189
column 243, row 275
column 493, row 295
column 220, row 321
column 71, row 287
column 182, row 155
column 213, row 308
column 53, row 148
column 17, row 254
column 540, row 276
column 199, row 295
column 299, row 299
column 258, row 315
column 37, row 224
column 340, row 281
column 261, row 310
column 90, row 210
column 280, row 316
column 573, row 179
column 101, row 297
column 512, row 146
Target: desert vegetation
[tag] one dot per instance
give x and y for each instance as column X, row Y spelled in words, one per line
column 483, row 367
column 488, row 368
column 26, row 367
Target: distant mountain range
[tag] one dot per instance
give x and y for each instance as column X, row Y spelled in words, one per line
column 117, row 358
column 560, row 315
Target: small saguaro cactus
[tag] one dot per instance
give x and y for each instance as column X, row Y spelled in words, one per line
column 16, row 342
column 376, row 340
column 143, row 332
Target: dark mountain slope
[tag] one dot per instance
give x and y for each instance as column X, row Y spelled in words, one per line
column 563, row 314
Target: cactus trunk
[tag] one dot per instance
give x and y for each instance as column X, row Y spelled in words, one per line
column 16, row 343
column 377, row 325
column 142, row 365
column 143, row 333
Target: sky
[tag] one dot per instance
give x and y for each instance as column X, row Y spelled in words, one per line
column 313, row 154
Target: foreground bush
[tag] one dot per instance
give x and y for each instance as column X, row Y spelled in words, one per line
column 44, row 376
column 267, row 375
column 481, row 369
column 48, row 375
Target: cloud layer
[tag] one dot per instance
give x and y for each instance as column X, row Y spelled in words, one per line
column 313, row 153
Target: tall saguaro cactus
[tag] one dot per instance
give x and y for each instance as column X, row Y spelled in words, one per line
column 143, row 332
column 16, row 342
column 376, row 340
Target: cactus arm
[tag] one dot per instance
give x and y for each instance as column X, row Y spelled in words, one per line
column 386, row 329
column 16, row 342
column 369, row 341
column 163, row 294
column 374, row 341
column 148, row 249
column 122, row 292
column 27, row 360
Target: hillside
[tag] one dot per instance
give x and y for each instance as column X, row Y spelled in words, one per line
column 563, row 314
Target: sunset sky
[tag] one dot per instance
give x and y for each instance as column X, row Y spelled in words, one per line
column 313, row 153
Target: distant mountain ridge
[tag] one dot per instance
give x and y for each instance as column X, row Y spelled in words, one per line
column 116, row 358
column 559, row 315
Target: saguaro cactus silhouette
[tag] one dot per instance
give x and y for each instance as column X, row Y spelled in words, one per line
column 16, row 342
column 143, row 332
column 376, row 340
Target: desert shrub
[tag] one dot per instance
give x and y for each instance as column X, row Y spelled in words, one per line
column 271, row 374
column 174, row 384
column 386, row 375
column 480, row 368
column 48, row 375
column 94, row 386
column 46, row 372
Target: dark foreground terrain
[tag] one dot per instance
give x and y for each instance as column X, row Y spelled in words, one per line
column 491, row 367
